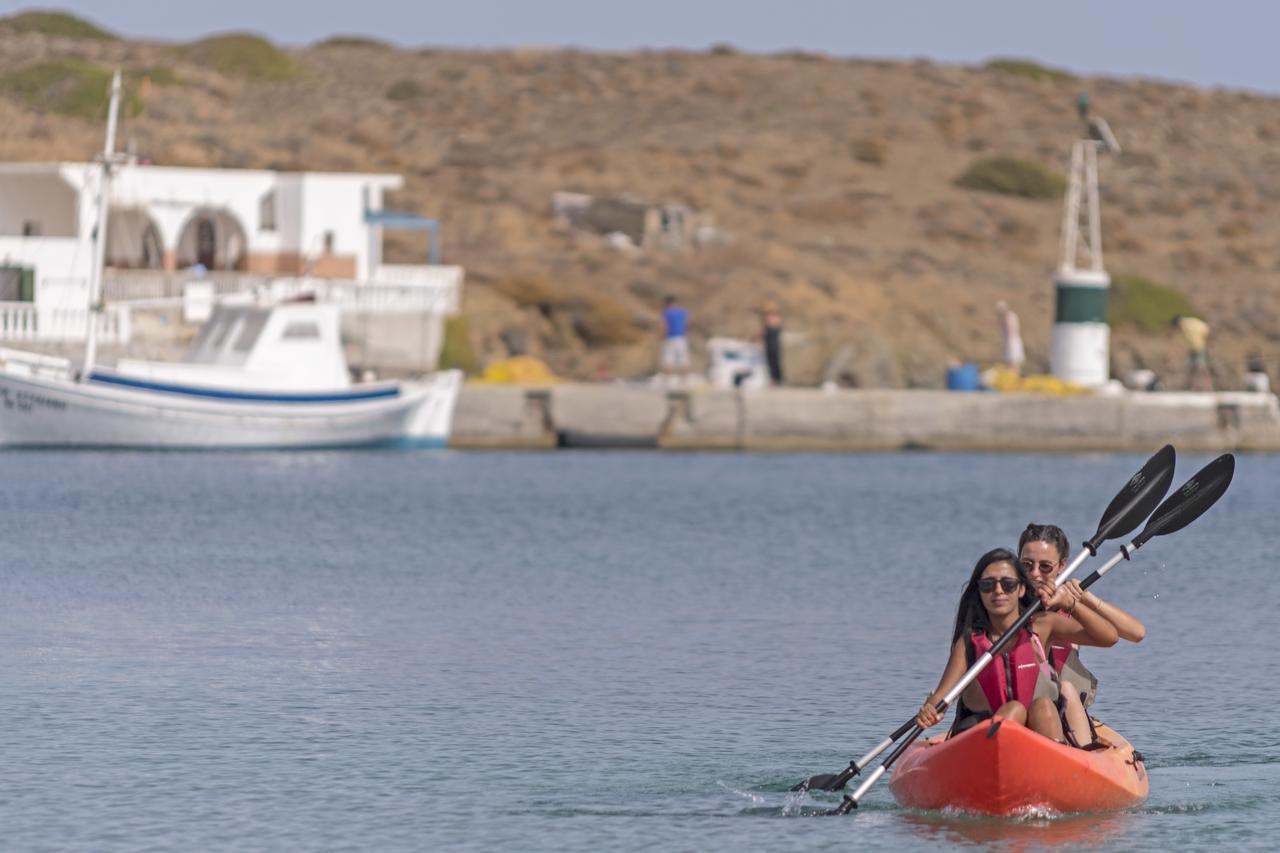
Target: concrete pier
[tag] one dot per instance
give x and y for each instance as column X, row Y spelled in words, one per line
column 617, row 415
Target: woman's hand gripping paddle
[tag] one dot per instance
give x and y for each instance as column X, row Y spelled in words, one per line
column 1126, row 511
column 1181, row 508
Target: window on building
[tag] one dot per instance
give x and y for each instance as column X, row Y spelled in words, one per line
column 31, row 228
column 267, row 211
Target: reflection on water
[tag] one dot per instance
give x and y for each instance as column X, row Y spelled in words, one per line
column 1019, row 834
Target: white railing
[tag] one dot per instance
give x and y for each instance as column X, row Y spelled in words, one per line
column 27, row 321
column 371, row 297
column 132, row 285
column 58, row 314
column 392, row 288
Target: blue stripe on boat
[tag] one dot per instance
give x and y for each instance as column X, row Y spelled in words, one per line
column 385, row 392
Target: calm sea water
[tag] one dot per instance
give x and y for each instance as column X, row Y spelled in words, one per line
column 576, row 651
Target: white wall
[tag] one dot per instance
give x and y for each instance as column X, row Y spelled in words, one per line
column 51, row 257
column 173, row 196
column 289, row 212
column 42, row 198
column 335, row 203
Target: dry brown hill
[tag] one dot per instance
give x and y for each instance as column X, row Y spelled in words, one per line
column 834, row 178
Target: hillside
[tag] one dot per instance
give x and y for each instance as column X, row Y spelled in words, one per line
column 833, row 178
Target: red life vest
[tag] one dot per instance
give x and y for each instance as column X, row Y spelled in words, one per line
column 1058, row 654
column 1059, row 651
column 1013, row 673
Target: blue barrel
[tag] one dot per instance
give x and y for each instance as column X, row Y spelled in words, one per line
column 963, row 377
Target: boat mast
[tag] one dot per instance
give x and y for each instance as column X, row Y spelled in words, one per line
column 106, row 163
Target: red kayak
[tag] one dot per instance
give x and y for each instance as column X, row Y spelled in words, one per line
column 1016, row 771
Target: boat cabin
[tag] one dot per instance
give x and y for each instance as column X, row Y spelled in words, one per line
column 288, row 347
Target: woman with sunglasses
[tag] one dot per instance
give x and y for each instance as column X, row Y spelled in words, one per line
column 1043, row 551
column 1019, row 684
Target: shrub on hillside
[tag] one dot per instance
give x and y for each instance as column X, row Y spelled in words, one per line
column 530, row 291
column 602, row 321
column 56, row 24
column 1012, row 176
column 1030, row 70
column 354, row 41
column 244, row 55
column 159, row 75
column 1143, row 304
column 405, row 90
column 873, row 151
column 69, row 87
column 456, row 351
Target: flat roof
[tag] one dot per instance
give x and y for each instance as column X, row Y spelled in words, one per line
column 54, row 168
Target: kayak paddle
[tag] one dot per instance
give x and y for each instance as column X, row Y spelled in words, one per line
column 1181, row 508
column 1125, row 512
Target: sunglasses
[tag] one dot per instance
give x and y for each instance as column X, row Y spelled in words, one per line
column 988, row 585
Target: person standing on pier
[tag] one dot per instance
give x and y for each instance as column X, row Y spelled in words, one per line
column 1196, row 334
column 1011, row 332
column 771, row 337
column 675, row 341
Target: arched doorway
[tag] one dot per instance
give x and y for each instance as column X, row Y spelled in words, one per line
column 213, row 238
column 133, row 240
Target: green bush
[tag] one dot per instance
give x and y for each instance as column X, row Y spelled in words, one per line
column 56, row 24
column 1030, row 70
column 1143, row 304
column 70, row 87
column 354, row 41
column 244, row 55
column 873, row 151
column 531, row 291
column 1013, row 176
column 456, row 352
column 159, row 75
column 405, row 90
column 602, row 321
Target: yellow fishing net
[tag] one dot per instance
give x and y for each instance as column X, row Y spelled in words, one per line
column 519, row 370
column 1001, row 378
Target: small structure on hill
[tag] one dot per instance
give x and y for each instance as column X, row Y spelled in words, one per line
column 1081, row 348
column 648, row 225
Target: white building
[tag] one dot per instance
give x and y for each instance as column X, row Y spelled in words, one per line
column 170, row 227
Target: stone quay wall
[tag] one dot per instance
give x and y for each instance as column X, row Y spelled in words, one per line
column 797, row 419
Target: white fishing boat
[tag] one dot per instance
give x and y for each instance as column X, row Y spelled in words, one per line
column 256, row 376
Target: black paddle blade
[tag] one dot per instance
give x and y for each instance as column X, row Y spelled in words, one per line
column 821, row 782
column 1136, row 500
column 1191, row 500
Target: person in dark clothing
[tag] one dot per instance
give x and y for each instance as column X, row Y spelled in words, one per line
column 771, row 336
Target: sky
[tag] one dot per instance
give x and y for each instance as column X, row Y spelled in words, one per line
column 1227, row 43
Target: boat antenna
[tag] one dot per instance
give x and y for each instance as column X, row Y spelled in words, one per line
column 106, row 163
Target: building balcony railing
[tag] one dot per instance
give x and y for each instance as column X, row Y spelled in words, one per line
column 392, row 287
column 59, row 310
column 26, row 321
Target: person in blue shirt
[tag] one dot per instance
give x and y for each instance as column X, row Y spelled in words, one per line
column 675, row 343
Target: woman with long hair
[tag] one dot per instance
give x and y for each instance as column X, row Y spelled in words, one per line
column 1019, row 684
column 1043, row 550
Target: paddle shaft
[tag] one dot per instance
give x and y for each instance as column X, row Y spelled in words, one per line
column 851, row 800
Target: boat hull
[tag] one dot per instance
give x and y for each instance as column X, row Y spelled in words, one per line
column 42, row 411
column 1017, row 772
